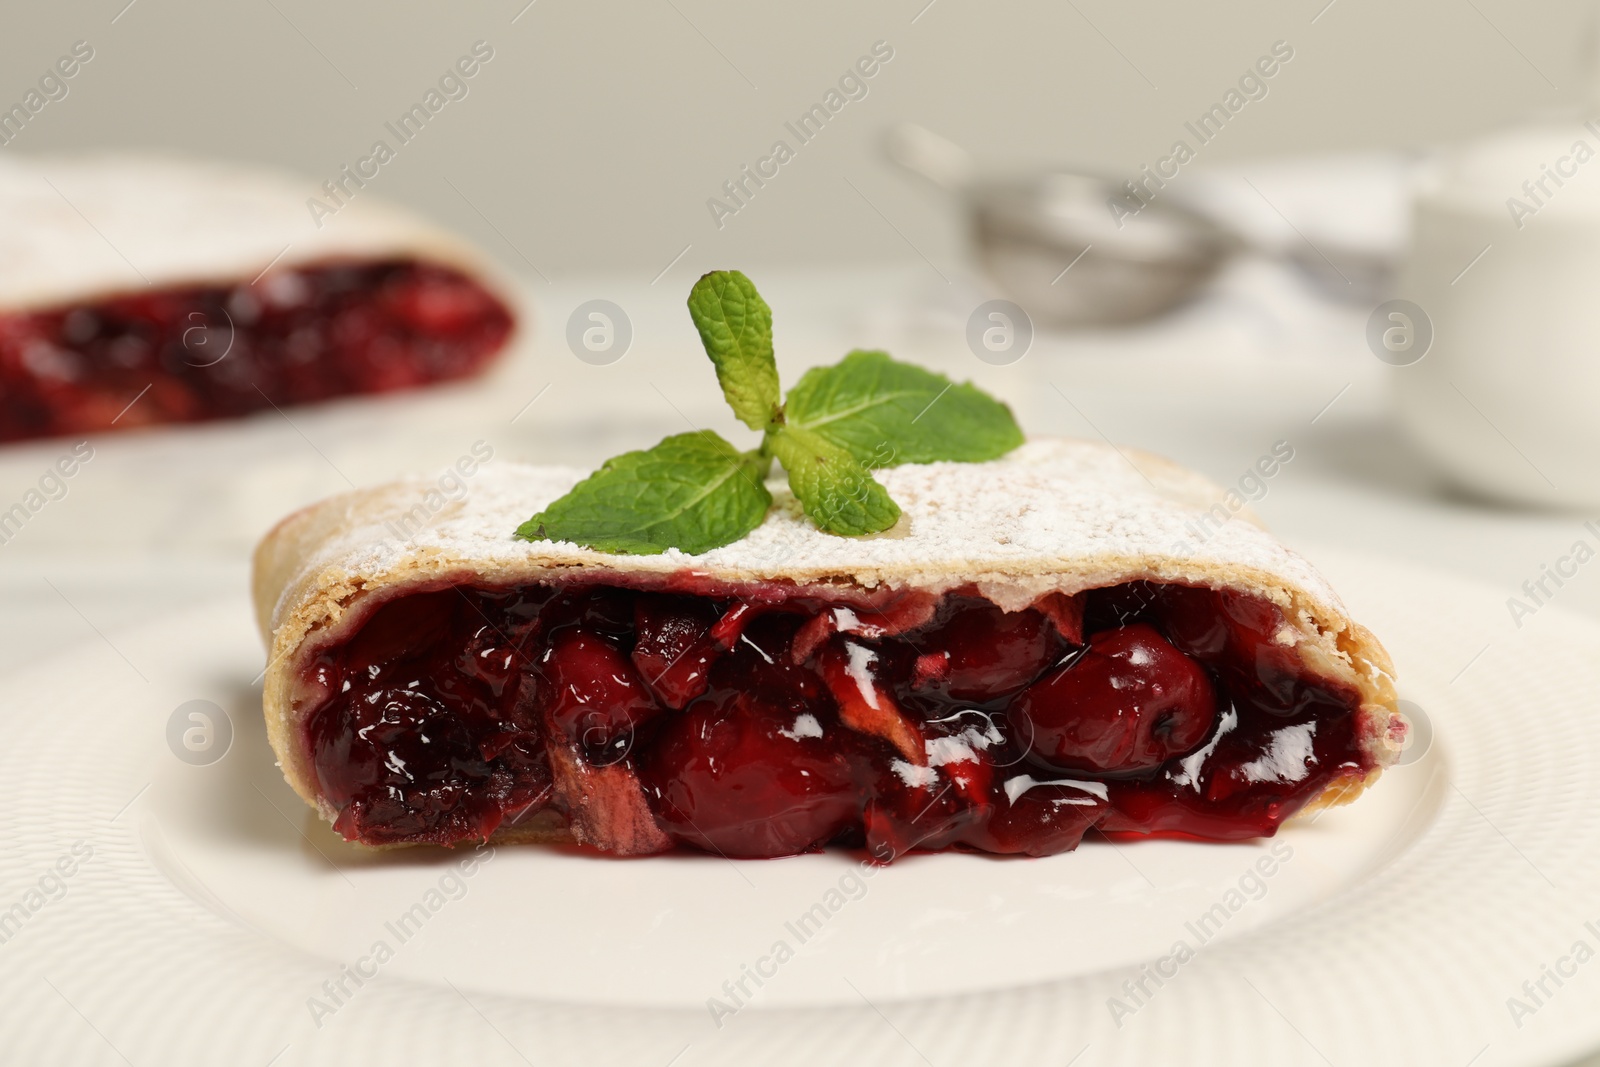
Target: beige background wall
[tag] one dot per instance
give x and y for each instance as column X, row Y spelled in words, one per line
column 595, row 135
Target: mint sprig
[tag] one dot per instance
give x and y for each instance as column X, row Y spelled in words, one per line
column 695, row 491
column 887, row 413
column 735, row 325
column 692, row 491
column 834, row 487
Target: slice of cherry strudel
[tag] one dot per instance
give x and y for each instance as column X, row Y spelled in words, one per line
column 1040, row 648
column 137, row 290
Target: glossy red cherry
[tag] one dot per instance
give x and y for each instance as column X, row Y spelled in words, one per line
column 490, row 656
column 1039, row 818
column 1275, row 667
column 941, row 800
column 989, row 653
column 904, row 817
column 591, row 691
column 1238, row 635
column 1193, row 621
column 740, row 776
column 1130, row 702
column 673, row 649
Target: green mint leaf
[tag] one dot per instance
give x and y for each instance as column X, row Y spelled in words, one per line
column 735, row 325
column 885, row 413
column 838, row 492
column 692, row 491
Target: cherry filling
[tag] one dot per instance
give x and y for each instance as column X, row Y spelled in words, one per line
column 207, row 352
column 1150, row 702
column 783, row 722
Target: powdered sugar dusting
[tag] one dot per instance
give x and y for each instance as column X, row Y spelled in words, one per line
column 1054, row 514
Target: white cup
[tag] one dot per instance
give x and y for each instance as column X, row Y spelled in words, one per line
column 1505, row 266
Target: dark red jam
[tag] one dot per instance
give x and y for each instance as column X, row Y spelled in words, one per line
column 775, row 726
column 207, row 352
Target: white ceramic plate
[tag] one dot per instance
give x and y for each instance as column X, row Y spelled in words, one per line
column 186, row 912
